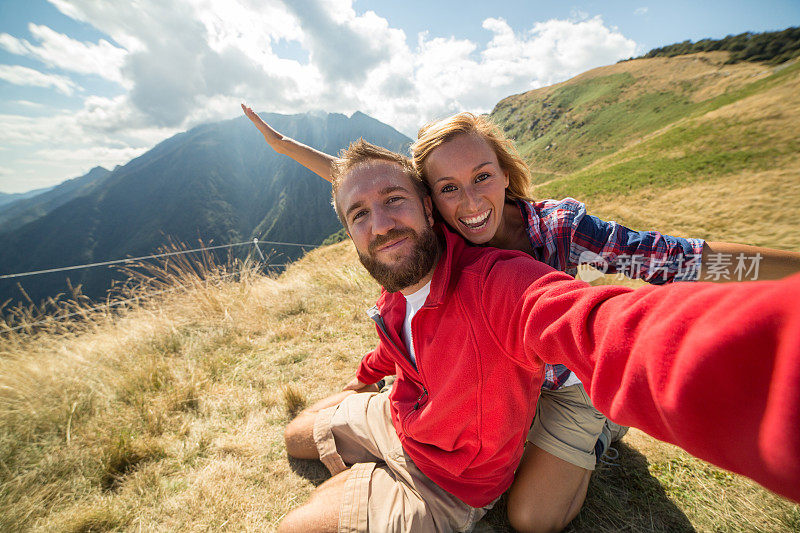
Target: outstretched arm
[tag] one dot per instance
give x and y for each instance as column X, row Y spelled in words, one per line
column 725, row 261
column 317, row 162
column 659, row 258
column 712, row 368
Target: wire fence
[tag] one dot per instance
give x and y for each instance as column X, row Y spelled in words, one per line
column 254, row 242
column 117, row 303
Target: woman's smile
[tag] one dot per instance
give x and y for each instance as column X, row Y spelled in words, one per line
column 477, row 222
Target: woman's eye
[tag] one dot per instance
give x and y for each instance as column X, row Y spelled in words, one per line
column 448, row 188
column 483, row 176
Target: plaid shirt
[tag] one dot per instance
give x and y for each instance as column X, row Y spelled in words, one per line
column 563, row 236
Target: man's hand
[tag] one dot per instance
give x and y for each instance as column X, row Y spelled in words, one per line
column 358, row 386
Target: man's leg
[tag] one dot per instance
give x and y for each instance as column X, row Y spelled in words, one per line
column 551, row 482
column 299, row 433
column 320, row 514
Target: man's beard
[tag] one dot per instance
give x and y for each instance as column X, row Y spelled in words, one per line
column 411, row 269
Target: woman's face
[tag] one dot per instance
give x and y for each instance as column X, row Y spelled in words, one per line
column 468, row 186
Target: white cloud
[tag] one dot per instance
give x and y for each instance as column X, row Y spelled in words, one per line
column 640, row 11
column 60, row 51
column 29, row 77
column 29, row 104
column 92, row 156
column 578, row 14
column 213, row 52
column 191, row 61
column 450, row 75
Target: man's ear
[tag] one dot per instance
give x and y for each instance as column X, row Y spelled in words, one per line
column 428, row 205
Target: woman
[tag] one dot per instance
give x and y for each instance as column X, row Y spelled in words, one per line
column 479, row 186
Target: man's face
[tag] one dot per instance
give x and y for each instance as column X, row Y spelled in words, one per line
column 389, row 224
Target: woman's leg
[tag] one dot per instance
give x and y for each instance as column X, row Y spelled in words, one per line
column 547, row 492
column 551, row 482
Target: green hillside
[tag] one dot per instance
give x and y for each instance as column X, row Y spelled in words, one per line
column 620, row 136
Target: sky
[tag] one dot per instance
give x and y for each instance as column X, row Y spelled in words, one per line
column 86, row 83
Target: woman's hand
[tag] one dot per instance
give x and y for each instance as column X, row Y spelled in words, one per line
column 317, row 162
column 269, row 134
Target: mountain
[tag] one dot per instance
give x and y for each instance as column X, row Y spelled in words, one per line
column 39, row 203
column 9, row 198
column 217, row 182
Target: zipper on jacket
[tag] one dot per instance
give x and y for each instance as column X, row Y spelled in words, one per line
column 375, row 315
column 421, row 396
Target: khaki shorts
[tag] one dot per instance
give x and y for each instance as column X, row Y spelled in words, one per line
column 567, row 425
column 385, row 491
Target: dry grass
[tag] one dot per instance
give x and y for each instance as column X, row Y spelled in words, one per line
column 170, row 417
column 761, row 209
column 706, row 73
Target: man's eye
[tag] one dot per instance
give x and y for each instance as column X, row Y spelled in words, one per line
column 359, row 214
column 394, row 199
column 448, row 188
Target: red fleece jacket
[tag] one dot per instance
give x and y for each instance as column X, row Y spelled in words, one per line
column 712, row 368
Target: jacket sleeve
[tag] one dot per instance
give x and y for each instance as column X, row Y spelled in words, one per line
column 375, row 365
column 714, row 369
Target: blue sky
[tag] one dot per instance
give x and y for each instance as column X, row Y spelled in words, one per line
column 85, row 83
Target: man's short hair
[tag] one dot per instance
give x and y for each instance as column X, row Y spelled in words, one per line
column 362, row 153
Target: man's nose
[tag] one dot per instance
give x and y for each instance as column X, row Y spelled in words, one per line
column 382, row 221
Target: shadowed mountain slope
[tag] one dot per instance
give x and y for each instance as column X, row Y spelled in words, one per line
column 218, row 182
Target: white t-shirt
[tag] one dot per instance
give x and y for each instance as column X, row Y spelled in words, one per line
column 413, row 304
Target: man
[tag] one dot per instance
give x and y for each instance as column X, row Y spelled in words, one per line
column 467, row 331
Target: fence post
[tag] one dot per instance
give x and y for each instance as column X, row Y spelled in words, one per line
column 255, row 244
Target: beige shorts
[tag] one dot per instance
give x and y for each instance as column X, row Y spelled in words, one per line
column 567, row 425
column 385, row 491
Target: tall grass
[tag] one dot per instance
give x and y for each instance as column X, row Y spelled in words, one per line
column 169, row 416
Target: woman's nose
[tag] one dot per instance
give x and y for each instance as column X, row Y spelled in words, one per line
column 471, row 199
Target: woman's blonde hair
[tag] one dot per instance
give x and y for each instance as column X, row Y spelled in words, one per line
column 435, row 134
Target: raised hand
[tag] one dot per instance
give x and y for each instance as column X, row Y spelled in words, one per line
column 317, row 162
column 262, row 126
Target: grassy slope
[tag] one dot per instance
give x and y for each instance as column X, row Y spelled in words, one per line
column 171, row 417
